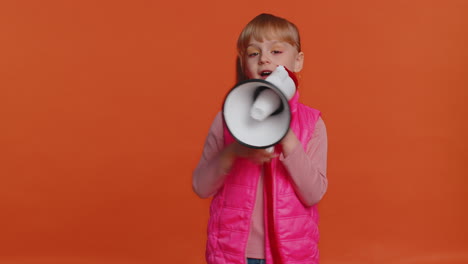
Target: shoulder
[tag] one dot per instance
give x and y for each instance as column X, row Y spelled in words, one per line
column 319, row 138
column 309, row 115
column 218, row 118
column 216, row 127
column 314, row 113
column 320, row 127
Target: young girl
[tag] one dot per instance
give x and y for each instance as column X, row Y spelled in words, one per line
column 264, row 207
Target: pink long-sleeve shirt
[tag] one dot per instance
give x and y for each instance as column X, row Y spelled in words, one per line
column 306, row 168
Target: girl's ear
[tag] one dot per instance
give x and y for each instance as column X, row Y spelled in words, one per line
column 299, row 62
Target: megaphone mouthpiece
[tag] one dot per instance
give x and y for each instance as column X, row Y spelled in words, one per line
column 281, row 78
column 266, row 103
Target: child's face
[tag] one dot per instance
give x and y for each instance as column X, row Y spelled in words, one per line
column 262, row 57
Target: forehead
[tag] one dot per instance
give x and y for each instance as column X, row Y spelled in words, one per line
column 253, row 43
column 268, row 44
column 269, row 35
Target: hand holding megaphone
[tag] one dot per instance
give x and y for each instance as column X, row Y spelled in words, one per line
column 256, row 112
column 256, row 155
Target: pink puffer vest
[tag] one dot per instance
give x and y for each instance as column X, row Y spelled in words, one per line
column 296, row 226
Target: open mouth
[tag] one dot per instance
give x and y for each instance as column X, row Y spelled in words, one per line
column 265, row 73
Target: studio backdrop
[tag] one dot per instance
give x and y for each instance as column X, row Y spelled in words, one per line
column 105, row 105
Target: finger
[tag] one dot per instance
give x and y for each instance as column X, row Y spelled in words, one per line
column 269, row 155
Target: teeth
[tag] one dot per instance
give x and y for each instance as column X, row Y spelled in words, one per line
column 266, row 73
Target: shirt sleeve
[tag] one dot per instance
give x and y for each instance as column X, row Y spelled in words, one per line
column 208, row 177
column 308, row 169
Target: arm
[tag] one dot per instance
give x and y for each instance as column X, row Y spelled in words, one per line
column 217, row 160
column 307, row 168
column 210, row 172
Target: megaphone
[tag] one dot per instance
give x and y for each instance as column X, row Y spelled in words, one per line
column 256, row 112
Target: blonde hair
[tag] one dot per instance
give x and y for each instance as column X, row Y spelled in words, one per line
column 265, row 26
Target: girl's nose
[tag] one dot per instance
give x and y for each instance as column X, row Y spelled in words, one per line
column 264, row 59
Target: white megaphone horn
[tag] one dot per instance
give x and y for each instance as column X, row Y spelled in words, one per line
column 256, row 112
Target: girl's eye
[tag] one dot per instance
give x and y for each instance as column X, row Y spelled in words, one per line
column 276, row 52
column 253, row 54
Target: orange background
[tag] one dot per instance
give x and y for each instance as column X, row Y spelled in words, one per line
column 105, row 105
